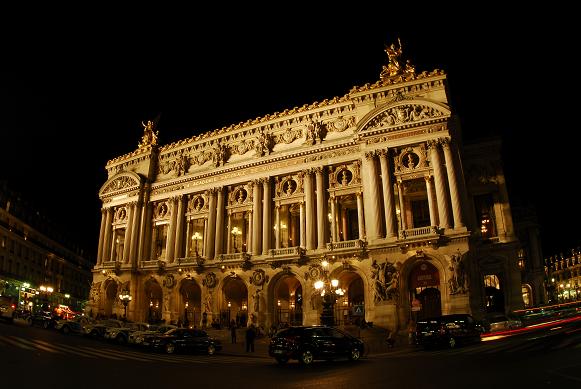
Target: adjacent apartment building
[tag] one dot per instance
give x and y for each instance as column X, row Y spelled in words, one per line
column 366, row 206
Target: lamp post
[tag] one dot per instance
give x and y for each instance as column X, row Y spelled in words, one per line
column 125, row 298
column 196, row 237
column 235, row 233
column 46, row 291
column 329, row 289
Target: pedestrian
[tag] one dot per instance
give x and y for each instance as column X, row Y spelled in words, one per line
column 390, row 339
column 233, row 331
column 250, row 335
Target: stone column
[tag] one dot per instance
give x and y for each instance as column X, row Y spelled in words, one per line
column 360, row 221
column 309, row 211
column 210, row 233
column 101, row 236
column 266, row 216
column 333, row 219
column 205, row 238
column 441, row 193
column 302, row 226
column 188, row 238
column 388, row 197
column 135, row 233
column 433, row 215
column 371, row 197
column 256, row 222
column 344, row 226
column 146, row 237
column 219, row 241
column 178, row 249
column 142, row 229
column 153, row 248
column 128, row 230
column 453, row 185
column 171, row 234
column 402, row 211
column 230, row 237
column 321, row 217
column 277, row 224
column 108, row 230
column 248, row 234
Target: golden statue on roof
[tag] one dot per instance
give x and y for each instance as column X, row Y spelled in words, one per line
column 149, row 134
column 395, row 67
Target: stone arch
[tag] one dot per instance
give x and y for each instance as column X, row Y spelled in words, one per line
column 233, row 300
column 286, row 301
column 357, row 297
column 153, row 301
column 189, row 301
column 491, row 282
column 388, row 115
column 121, row 183
column 110, row 299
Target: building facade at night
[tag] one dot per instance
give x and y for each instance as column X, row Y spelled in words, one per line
column 37, row 267
column 373, row 189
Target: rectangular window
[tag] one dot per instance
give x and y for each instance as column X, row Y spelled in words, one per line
column 484, row 206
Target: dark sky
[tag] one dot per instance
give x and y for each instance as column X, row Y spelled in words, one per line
column 73, row 92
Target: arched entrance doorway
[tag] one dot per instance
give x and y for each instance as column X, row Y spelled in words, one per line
column 191, row 304
column 153, row 299
column 350, row 308
column 424, row 292
column 493, row 293
column 234, row 304
column 288, row 301
column 110, row 298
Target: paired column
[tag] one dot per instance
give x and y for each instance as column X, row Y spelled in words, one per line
column 101, row 236
column 210, row 232
column 388, row 197
column 180, row 218
column 256, row 218
column 219, row 241
column 266, row 216
column 302, row 226
column 321, row 217
column 453, row 184
column 371, row 196
column 135, row 233
column 171, row 234
column 441, row 193
column 310, row 210
column 128, row 230
column 433, row 215
column 229, row 231
column 277, row 225
column 334, row 218
column 402, row 210
column 360, row 223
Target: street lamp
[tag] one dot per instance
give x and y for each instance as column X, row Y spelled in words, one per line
column 236, row 232
column 196, row 237
column 46, row 291
column 125, row 298
column 329, row 289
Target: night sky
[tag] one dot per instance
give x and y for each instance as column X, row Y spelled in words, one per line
column 73, row 92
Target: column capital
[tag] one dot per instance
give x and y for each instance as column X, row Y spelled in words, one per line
column 265, row 180
column 318, row 170
column 433, row 144
column 370, row 154
column 445, row 142
column 428, row 178
column 307, row 172
column 383, row 153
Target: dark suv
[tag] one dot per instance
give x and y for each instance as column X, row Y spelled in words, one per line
column 307, row 343
column 447, row 330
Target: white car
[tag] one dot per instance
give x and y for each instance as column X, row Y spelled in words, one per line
column 7, row 308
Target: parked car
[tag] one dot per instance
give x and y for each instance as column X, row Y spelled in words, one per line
column 136, row 337
column 44, row 319
column 7, row 308
column 183, row 339
column 447, row 330
column 97, row 329
column 308, row 343
column 502, row 322
column 73, row 326
column 121, row 335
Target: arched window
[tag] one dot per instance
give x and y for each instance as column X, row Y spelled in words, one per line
column 527, row 295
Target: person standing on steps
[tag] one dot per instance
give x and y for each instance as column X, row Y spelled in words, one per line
column 233, row 331
column 250, row 335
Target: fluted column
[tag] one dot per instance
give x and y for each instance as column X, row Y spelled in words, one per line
column 135, row 233
column 277, row 225
column 360, row 223
column 179, row 227
column 188, row 239
column 453, row 184
column 108, row 231
column 344, row 226
column 256, row 218
column 205, row 238
column 219, row 241
column 309, row 211
column 229, row 231
column 266, row 216
column 101, row 236
column 333, row 219
column 371, row 197
column 388, row 197
column 441, row 193
column 171, row 234
column 321, row 219
column 402, row 210
column 249, row 233
column 142, row 229
column 146, row 237
column 128, row 230
column 302, row 226
column 433, row 215
column 211, row 231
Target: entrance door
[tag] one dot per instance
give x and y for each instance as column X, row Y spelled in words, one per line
column 431, row 303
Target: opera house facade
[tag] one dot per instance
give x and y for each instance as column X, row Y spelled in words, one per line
column 362, row 207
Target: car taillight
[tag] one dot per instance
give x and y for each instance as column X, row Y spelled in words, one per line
column 13, row 306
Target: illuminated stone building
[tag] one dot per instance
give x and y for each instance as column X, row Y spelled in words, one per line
column 376, row 185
